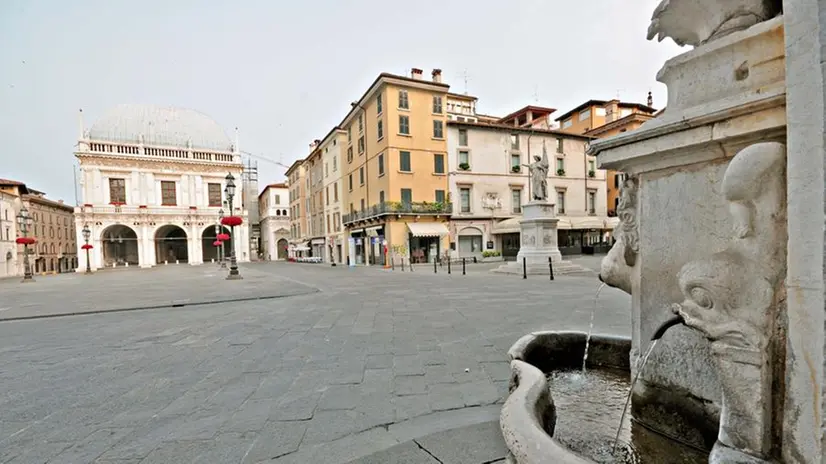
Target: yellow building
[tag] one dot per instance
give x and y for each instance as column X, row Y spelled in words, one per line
column 605, row 118
column 395, row 170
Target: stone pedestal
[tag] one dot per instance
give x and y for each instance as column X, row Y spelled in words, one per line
column 539, row 243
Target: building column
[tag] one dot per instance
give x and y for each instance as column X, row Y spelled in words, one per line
column 196, row 250
column 143, row 248
column 805, row 36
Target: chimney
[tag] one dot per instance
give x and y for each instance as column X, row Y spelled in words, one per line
column 611, row 111
column 437, row 75
column 416, row 73
column 650, row 99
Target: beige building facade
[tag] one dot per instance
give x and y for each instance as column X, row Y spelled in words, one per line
column 152, row 182
column 299, row 230
column 274, row 213
column 489, row 184
column 52, row 225
column 332, row 154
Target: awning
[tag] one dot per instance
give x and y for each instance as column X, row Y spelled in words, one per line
column 318, row 241
column 304, row 246
column 589, row 222
column 508, row 226
column 427, row 229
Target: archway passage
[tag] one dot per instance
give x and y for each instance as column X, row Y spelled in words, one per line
column 120, row 246
column 282, row 246
column 208, row 237
column 171, row 245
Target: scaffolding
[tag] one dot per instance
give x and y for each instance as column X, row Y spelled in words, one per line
column 249, row 192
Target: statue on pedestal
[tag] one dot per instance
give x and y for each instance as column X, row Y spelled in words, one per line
column 539, row 176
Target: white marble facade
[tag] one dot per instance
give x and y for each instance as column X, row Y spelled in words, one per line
column 151, row 182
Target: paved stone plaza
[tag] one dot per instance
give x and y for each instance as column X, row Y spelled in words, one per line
column 315, row 365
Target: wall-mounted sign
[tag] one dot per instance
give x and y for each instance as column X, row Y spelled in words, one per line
column 489, row 245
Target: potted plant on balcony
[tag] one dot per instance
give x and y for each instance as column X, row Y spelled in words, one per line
column 560, row 172
column 516, row 169
column 464, row 166
column 592, row 173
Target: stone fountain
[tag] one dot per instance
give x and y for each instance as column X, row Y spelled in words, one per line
column 721, row 223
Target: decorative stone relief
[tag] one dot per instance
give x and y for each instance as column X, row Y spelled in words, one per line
column 695, row 22
column 547, row 239
column 729, row 296
column 618, row 264
column 733, row 297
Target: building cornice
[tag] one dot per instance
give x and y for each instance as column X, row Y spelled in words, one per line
column 125, row 157
column 520, row 130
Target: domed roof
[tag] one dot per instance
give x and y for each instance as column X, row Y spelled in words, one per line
column 160, row 125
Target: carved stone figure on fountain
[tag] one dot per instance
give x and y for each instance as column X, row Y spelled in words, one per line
column 732, row 298
column 617, row 267
column 695, row 22
column 539, row 176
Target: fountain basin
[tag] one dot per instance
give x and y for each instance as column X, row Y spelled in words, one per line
column 555, row 413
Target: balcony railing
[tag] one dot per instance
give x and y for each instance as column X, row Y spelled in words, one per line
column 397, row 207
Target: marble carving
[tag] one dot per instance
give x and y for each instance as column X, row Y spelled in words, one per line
column 731, row 297
column 695, row 22
column 617, row 267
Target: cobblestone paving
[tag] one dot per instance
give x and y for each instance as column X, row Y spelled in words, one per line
column 260, row 380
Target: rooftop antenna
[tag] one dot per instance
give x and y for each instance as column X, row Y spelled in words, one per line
column 536, row 94
column 465, row 76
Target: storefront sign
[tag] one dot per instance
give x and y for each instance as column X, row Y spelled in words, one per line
column 489, row 245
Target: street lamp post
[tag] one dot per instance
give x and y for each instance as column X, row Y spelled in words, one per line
column 86, row 234
column 23, row 220
column 233, row 263
column 221, row 256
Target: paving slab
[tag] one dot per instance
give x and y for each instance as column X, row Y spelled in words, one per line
column 112, row 290
column 364, row 360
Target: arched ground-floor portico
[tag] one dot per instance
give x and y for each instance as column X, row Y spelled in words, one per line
column 171, row 245
column 210, row 252
column 121, row 243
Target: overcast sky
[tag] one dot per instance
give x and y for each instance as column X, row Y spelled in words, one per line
column 284, row 72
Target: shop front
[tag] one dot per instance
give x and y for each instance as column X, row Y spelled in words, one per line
column 508, row 236
column 368, row 244
column 585, row 235
column 425, row 241
column 317, row 247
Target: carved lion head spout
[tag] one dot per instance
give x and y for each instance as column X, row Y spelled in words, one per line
column 726, row 300
column 695, row 22
column 616, row 268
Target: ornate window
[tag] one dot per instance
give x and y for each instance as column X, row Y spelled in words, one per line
column 117, row 191
column 168, row 197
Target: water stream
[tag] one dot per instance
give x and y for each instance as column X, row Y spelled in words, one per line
column 591, row 328
column 640, row 366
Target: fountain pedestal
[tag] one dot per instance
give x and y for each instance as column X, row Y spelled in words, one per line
column 538, row 243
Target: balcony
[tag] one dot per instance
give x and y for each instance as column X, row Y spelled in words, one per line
column 399, row 208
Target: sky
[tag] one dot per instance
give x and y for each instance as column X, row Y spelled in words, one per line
column 285, row 73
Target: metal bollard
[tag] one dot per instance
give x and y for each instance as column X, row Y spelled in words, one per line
column 463, row 266
column 410, row 264
column 392, row 264
column 448, row 265
column 524, row 268
column 551, row 266
column 434, row 267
